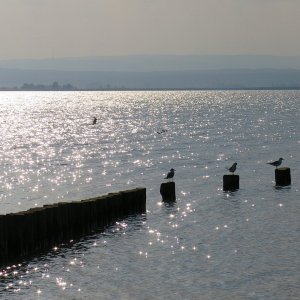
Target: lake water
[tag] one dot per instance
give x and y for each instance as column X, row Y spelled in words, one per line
column 209, row 244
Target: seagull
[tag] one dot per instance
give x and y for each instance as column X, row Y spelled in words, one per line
column 170, row 174
column 232, row 168
column 276, row 163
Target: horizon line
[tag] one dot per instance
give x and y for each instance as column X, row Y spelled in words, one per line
column 148, row 55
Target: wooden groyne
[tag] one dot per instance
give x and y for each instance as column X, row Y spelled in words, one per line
column 26, row 233
column 231, row 182
column 283, row 176
column 167, row 191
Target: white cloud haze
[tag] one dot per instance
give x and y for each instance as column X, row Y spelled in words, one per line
column 63, row 28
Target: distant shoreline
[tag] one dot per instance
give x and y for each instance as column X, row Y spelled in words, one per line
column 279, row 88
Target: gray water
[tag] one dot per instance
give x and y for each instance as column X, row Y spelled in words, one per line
column 209, row 244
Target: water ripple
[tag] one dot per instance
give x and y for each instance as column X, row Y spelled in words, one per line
column 208, row 244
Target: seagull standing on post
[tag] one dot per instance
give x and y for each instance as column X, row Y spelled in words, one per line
column 276, row 163
column 170, row 174
column 232, row 168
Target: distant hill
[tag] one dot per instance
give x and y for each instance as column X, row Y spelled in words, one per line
column 155, row 72
column 155, row 63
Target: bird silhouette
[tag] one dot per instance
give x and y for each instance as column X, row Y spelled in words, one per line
column 232, row 168
column 170, row 174
column 161, row 131
column 276, row 163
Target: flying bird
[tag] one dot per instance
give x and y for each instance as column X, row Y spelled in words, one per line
column 232, row 168
column 276, row 163
column 170, row 174
column 162, row 131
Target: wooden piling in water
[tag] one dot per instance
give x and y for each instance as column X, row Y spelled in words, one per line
column 167, row 191
column 283, row 176
column 24, row 234
column 231, row 182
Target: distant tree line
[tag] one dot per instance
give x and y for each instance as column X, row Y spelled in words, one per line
column 55, row 86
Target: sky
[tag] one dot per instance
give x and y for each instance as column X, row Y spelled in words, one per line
column 35, row 29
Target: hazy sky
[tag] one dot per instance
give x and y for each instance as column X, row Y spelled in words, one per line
column 70, row 28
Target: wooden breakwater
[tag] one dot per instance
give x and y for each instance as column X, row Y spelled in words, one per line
column 167, row 191
column 26, row 233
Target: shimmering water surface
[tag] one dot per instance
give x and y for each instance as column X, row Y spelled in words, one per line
column 209, row 244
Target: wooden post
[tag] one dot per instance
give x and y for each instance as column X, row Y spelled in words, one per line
column 231, row 182
column 167, row 191
column 283, row 176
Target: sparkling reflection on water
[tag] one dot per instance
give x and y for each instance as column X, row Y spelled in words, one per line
column 207, row 245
